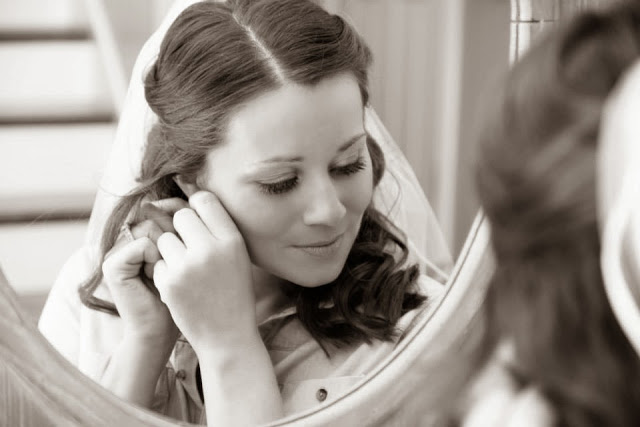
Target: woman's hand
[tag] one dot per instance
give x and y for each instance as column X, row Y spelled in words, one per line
column 149, row 331
column 205, row 276
column 205, row 279
column 143, row 313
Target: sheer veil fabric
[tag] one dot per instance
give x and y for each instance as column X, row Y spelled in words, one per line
column 399, row 194
column 619, row 202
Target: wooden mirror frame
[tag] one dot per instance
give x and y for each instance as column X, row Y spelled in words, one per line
column 40, row 387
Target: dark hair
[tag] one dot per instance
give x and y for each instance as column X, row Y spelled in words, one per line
column 217, row 56
column 536, row 182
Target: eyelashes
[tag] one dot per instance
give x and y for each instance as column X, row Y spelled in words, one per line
column 287, row 185
column 349, row 169
column 280, row 186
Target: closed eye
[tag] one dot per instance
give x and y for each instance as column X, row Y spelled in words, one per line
column 350, row 168
column 284, row 186
column 279, row 187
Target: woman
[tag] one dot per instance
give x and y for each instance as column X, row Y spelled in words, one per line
column 553, row 351
column 278, row 284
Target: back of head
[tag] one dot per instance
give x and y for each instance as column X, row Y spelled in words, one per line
column 536, row 182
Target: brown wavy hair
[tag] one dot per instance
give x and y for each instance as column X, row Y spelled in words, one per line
column 536, row 182
column 214, row 58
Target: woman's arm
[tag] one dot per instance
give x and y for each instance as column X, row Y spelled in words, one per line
column 205, row 279
column 134, row 368
column 239, row 384
column 149, row 332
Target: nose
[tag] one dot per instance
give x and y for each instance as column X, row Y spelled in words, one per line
column 324, row 206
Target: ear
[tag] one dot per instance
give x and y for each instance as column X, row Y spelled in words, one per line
column 188, row 188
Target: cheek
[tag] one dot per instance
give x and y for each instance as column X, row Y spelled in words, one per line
column 257, row 218
column 357, row 192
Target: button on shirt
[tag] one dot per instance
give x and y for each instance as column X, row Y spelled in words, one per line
column 306, row 376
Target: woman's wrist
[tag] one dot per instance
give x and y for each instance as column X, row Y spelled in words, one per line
column 239, row 383
column 134, row 369
column 149, row 341
column 225, row 349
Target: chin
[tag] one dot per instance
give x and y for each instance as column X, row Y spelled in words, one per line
column 304, row 270
column 315, row 281
column 313, row 277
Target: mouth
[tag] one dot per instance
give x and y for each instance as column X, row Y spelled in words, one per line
column 322, row 248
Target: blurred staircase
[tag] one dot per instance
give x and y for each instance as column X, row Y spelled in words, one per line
column 61, row 83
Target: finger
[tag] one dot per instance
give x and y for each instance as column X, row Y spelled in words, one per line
column 187, row 188
column 170, row 205
column 159, row 275
column 148, row 270
column 191, row 229
column 162, row 211
column 213, row 215
column 160, row 217
column 126, row 262
column 171, row 248
column 148, row 228
column 123, row 238
column 167, row 206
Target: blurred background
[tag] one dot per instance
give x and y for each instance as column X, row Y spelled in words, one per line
column 64, row 70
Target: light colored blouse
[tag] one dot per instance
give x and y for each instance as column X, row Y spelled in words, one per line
column 305, row 375
column 495, row 399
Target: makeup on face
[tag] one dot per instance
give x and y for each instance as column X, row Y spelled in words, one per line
column 295, row 175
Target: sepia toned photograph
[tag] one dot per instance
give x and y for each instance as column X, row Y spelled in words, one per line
column 320, row 213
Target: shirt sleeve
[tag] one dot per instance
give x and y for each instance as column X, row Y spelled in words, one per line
column 87, row 337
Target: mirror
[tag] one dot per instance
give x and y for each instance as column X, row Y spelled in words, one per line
column 43, row 388
column 425, row 86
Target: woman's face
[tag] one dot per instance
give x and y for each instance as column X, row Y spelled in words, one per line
column 295, row 175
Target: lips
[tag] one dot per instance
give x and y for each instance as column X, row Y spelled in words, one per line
column 320, row 243
column 324, row 248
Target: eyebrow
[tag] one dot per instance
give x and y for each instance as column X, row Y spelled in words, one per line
column 344, row 147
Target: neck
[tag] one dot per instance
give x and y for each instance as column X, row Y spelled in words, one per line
column 268, row 293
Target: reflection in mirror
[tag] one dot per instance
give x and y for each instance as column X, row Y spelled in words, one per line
column 437, row 87
column 42, row 388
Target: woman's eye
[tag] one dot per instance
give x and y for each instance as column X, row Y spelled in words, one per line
column 279, row 187
column 351, row 168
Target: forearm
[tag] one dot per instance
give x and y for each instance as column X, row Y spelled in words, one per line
column 240, row 386
column 134, row 369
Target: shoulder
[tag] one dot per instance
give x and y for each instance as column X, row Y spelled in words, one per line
column 494, row 399
column 63, row 295
column 430, row 287
column 434, row 292
column 508, row 408
column 86, row 337
column 60, row 318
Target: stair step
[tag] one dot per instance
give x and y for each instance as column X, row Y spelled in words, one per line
column 47, row 16
column 52, row 80
column 38, row 35
column 61, row 120
column 51, row 171
column 31, row 255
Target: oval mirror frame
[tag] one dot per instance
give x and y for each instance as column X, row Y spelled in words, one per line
column 40, row 387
